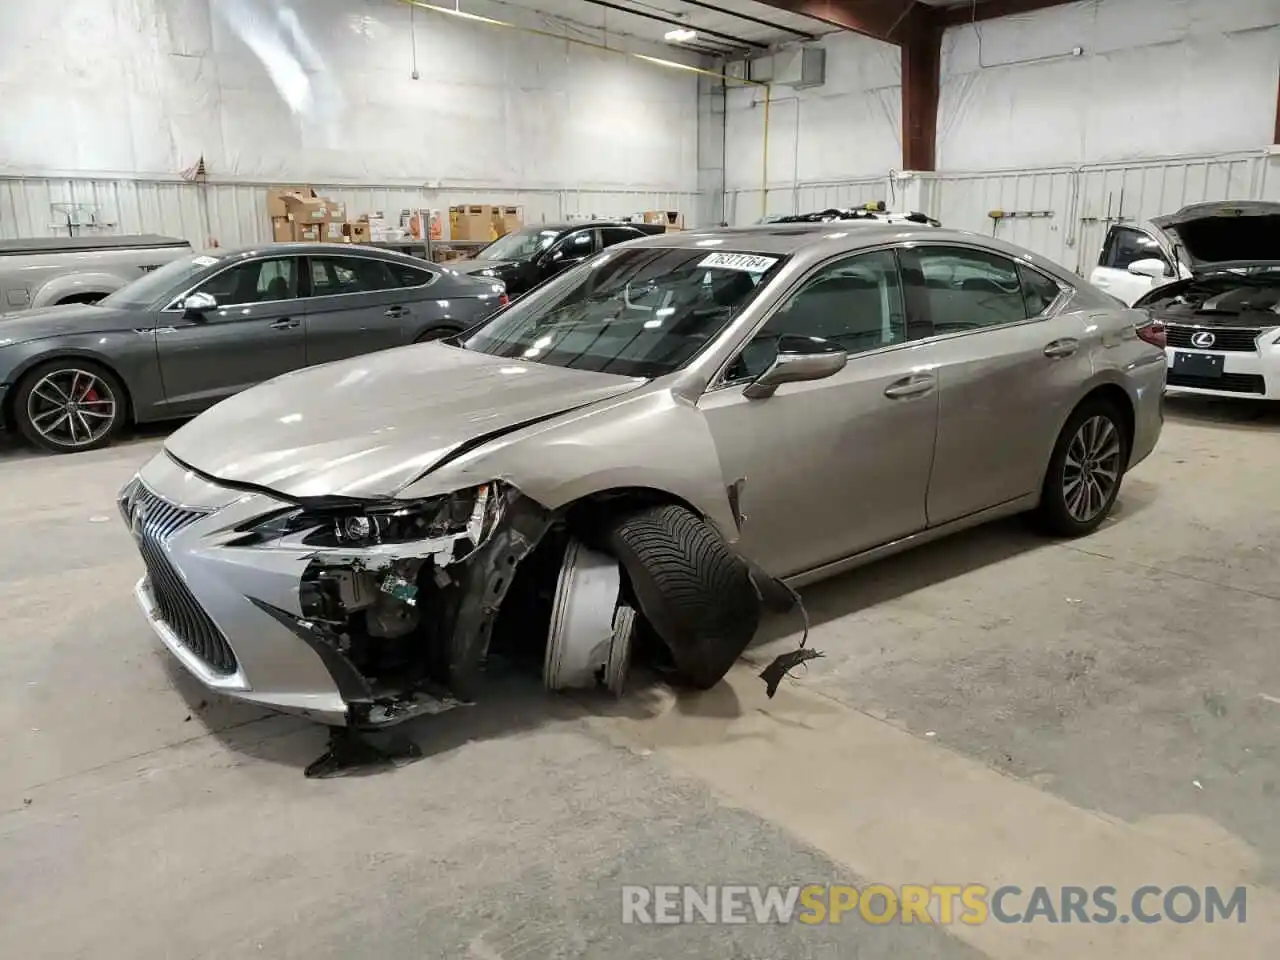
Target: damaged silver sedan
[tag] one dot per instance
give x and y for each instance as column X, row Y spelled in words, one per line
column 648, row 450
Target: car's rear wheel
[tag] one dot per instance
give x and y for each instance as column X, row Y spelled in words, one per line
column 69, row 405
column 1088, row 463
column 695, row 593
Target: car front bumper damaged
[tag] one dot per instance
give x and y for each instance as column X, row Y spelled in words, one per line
column 357, row 613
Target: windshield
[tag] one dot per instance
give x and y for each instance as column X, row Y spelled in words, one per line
column 150, row 287
column 519, row 245
column 638, row 313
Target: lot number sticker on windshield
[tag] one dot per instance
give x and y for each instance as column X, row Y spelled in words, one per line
column 205, row 261
column 739, row 261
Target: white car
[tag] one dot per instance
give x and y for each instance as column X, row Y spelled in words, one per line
column 1138, row 257
column 1220, row 321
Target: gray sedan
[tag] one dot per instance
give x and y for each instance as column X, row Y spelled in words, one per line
column 201, row 328
column 670, row 434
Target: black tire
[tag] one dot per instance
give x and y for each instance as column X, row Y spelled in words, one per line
column 695, row 593
column 107, row 389
column 1054, row 516
column 437, row 333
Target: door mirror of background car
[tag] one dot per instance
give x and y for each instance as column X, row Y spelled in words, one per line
column 798, row 359
column 196, row 305
column 1151, row 267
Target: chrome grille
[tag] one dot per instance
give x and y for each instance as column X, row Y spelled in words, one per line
column 1227, row 339
column 153, row 521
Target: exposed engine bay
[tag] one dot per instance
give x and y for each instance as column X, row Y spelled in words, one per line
column 1231, row 299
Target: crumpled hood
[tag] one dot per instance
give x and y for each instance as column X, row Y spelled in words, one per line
column 24, row 325
column 367, row 426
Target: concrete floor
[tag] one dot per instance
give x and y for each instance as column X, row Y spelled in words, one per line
column 991, row 709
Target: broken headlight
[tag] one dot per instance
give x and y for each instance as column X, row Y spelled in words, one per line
column 472, row 513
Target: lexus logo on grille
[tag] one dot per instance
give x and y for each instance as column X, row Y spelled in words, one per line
column 1202, row 339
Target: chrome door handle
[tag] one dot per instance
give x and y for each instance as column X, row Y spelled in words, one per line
column 912, row 386
column 284, row 323
column 1059, row 349
column 394, row 312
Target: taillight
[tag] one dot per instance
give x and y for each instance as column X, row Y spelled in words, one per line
column 1152, row 331
column 503, row 300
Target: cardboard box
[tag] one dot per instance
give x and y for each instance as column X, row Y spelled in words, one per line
column 301, row 209
column 472, row 221
column 275, row 199
column 308, row 232
column 670, row 218
column 332, row 231
column 281, row 230
column 357, row 232
column 284, row 230
column 506, row 220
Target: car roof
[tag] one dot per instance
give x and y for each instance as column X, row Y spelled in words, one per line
column 561, row 227
column 816, row 241
column 787, row 238
column 325, row 249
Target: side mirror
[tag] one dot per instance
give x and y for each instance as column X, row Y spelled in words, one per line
column 1151, row 267
column 798, row 359
column 198, row 304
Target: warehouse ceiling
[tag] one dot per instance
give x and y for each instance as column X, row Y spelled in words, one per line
column 719, row 26
column 732, row 27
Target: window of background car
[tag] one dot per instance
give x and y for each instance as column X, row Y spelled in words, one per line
column 1038, row 291
column 519, row 245
column 407, row 276
column 256, row 281
column 968, row 289
column 856, row 304
column 613, row 235
column 334, row 275
column 1126, row 245
column 169, row 280
column 640, row 313
column 576, row 245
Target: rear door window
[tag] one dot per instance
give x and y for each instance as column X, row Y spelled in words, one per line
column 410, row 276
column 1039, row 291
column 968, row 289
column 336, row 275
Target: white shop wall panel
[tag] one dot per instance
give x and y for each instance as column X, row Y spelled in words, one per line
column 1082, row 199
column 1155, row 78
column 320, row 91
column 847, row 128
column 235, row 214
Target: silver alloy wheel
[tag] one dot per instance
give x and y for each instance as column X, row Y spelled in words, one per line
column 1091, row 471
column 71, row 407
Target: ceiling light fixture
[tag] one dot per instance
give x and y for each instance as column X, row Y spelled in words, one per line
column 681, row 35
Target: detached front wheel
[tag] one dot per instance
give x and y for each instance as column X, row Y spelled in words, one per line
column 1088, row 463
column 66, row 406
column 697, row 596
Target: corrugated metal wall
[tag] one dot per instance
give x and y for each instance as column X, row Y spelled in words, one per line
column 1082, row 200
column 235, row 214
column 1085, row 200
